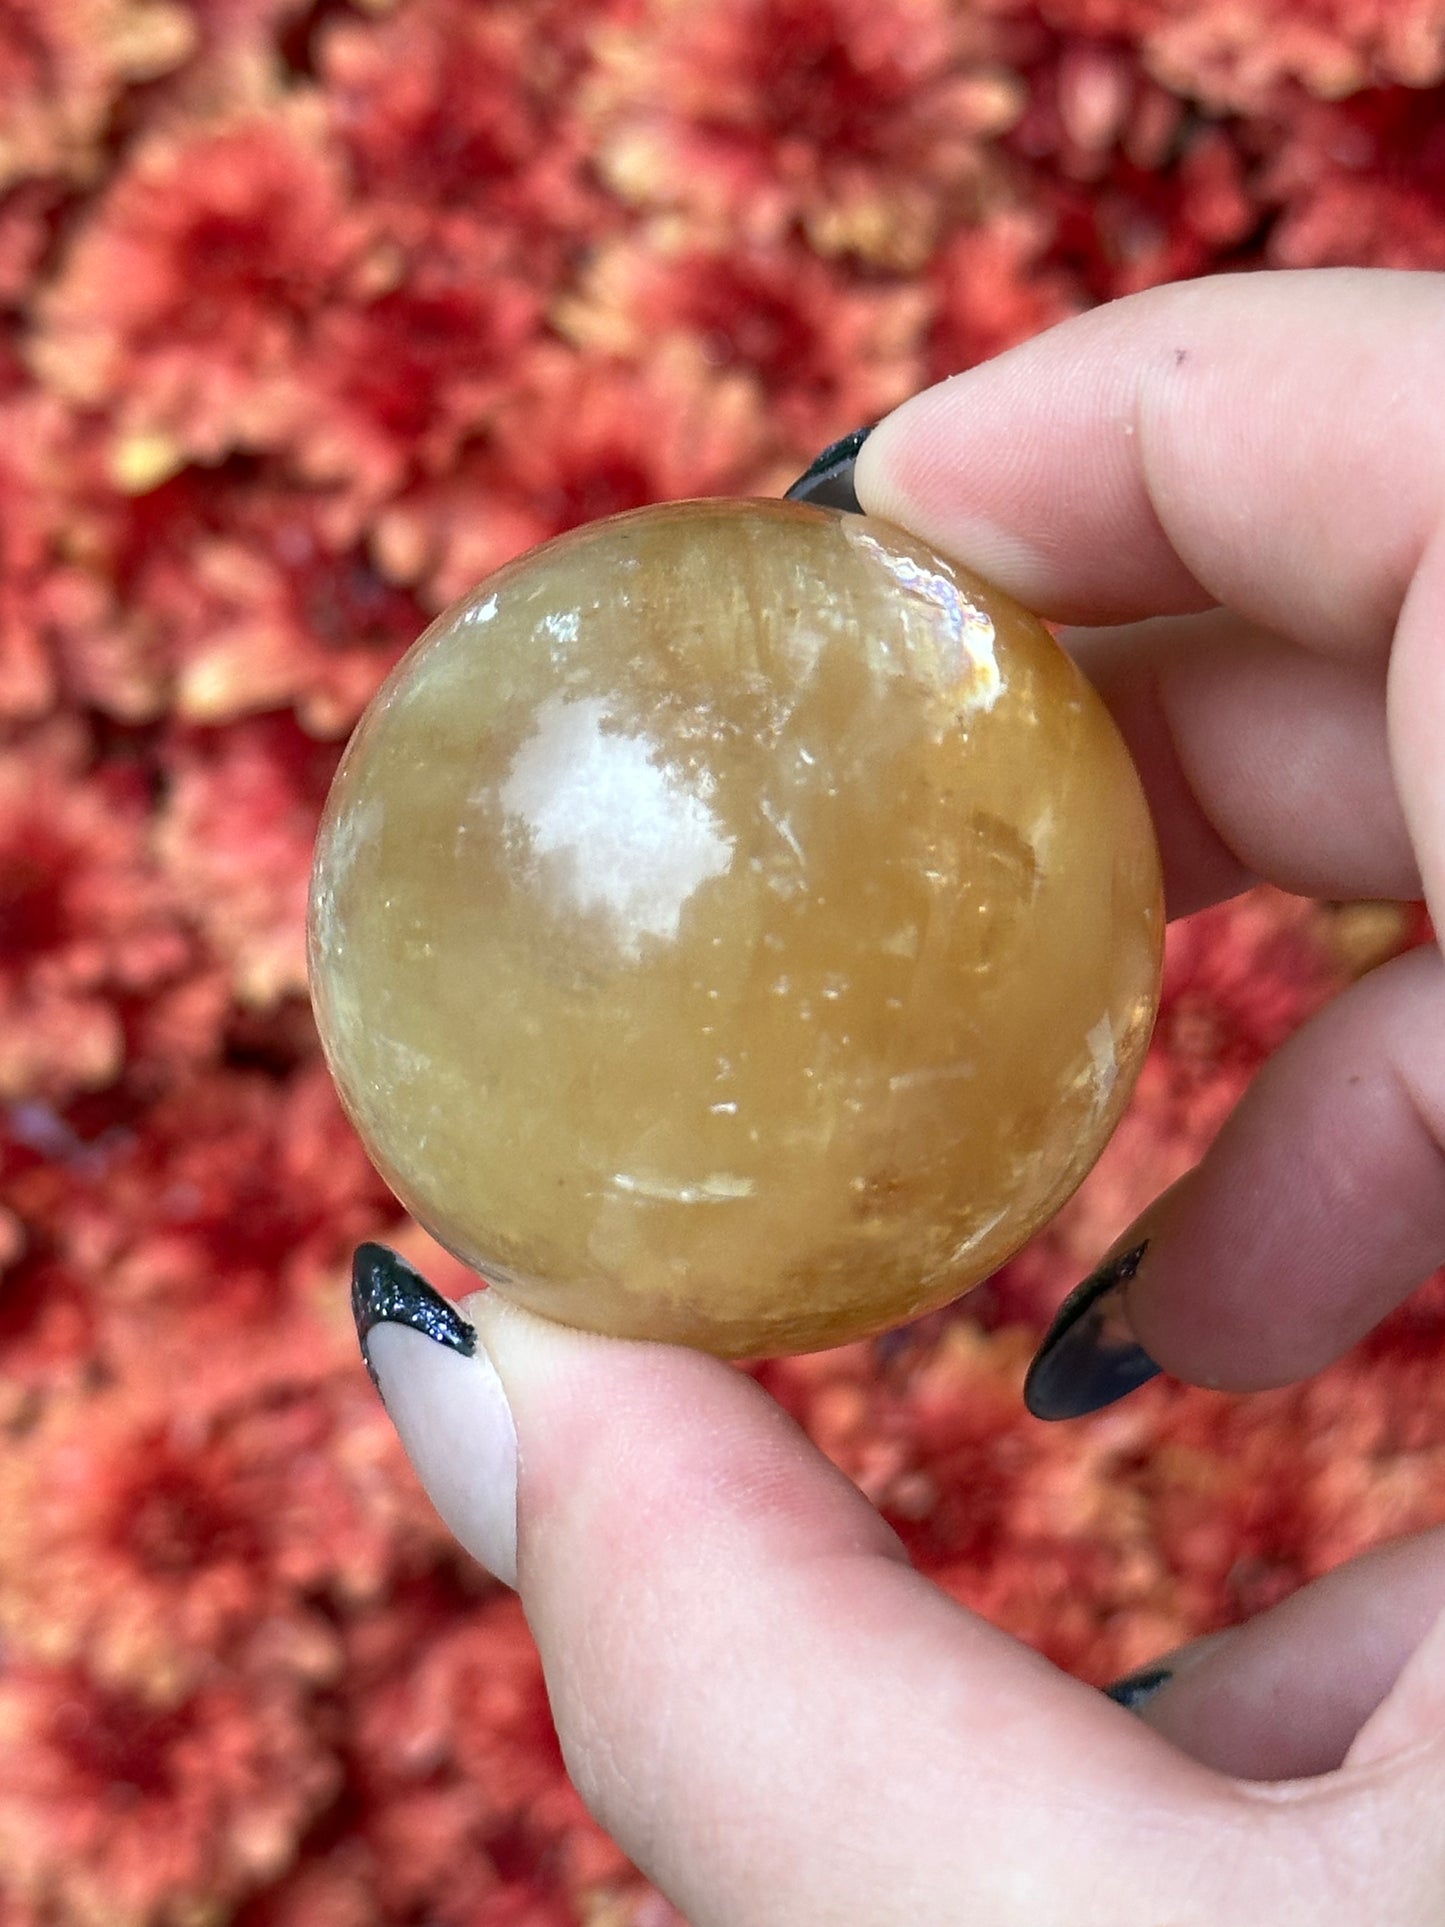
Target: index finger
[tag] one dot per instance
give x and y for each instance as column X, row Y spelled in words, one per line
column 1261, row 441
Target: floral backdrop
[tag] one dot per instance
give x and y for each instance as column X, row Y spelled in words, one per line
column 310, row 313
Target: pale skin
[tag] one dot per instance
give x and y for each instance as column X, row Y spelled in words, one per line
column 780, row 1721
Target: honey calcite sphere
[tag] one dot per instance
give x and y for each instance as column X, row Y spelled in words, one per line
column 735, row 924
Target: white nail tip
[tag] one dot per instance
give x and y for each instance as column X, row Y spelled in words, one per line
column 454, row 1423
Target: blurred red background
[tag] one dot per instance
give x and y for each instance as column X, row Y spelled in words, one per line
column 310, row 313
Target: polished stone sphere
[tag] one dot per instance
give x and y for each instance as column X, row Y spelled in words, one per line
column 735, row 924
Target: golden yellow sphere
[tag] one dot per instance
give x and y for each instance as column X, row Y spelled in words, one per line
column 735, row 924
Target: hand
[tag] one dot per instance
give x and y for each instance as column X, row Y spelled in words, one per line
column 777, row 1718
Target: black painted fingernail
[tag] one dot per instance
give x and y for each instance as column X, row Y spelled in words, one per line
column 1089, row 1357
column 386, row 1290
column 828, row 484
column 1135, row 1688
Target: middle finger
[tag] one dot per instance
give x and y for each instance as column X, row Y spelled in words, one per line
column 1261, row 760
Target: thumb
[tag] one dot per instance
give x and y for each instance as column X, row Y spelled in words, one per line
column 769, row 1710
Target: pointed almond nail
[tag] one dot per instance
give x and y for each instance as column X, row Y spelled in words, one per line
column 386, row 1290
column 828, row 483
column 1089, row 1357
column 446, row 1399
column 1136, row 1688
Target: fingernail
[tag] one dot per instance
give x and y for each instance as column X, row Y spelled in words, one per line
column 1135, row 1688
column 828, row 483
column 445, row 1398
column 1090, row 1357
column 386, row 1290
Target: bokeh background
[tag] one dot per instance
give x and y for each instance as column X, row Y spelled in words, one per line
column 310, row 313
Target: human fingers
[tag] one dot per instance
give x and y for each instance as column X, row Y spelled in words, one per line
column 1320, row 1206
column 1263, row 442
column 1259, row 442
column 1267, row 442
column 773, row 1715
column 1260, row 758
column 1286, row 1694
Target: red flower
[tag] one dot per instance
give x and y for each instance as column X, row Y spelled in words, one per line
column 395, row 380
column 235, row 837
column 1361, row 183
column 1091, row 104
column 472, row 1697
column 152, row 1542
column 461, row 1764
column 446, row 107
column 85, row 920
column 33, row 506
column 187, row 298
column 994, row 286
column 322, row 1890
column 27, row 217
column 1246, row 1499
column 1139, row 192
column 238, row 31
column 61, row 69
column 235, row 591
column 1242, row 58
column 46, row 1318
column 117, row 1813
column 828, row 350
column 216, row 1237
column 47, row 1327
column 864, row 120
column 300, row 302
column 195, row 1245
column 575, row 441
column 1238, row 980
column 1019, row 1521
